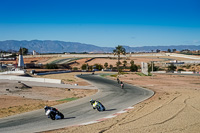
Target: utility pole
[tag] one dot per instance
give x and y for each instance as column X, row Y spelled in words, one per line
column 152, row 62
column 87, row 67
column 0, row 66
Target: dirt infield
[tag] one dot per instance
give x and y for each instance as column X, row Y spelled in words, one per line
column 17, row 98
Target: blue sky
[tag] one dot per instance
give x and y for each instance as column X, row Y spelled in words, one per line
column 102, row 22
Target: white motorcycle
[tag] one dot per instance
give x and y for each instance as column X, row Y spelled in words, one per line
column 53, row 113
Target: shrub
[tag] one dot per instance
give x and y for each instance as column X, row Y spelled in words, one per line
column 51, row 66
column 180, row 69
column 171, row 67
column 75, row 68
column 98, row 66
column 84, row 66
column 133, row 68
column 155, row 68
column 188, row 66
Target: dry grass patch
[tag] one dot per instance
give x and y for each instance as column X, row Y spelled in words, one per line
column 11, row 105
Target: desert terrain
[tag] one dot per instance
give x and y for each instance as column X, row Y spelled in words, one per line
column 173, row 109
column 17, row 97
column 75, row 62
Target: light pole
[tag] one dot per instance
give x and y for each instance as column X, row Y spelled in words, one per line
column 152, row 62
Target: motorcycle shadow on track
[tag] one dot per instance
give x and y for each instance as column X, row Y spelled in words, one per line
column 68, row 118
column 110, row 109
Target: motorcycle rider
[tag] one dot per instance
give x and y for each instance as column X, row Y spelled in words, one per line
column 46, row 108
column 96, row 104
column 122, row 85
column 118, row 80
column 93, row 103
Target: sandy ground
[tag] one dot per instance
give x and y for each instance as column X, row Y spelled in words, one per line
column 174, row 108
column 67, row 78
column 111, row 61
column 30, row 60
column 159, row 61
column 17, row 98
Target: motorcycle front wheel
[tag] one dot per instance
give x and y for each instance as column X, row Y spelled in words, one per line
column 62, row 116
column 98, row 108
column 103, row 108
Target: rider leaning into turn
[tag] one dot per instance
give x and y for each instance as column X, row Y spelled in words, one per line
column 122, row 85
column 94, row 103
column 48, row 107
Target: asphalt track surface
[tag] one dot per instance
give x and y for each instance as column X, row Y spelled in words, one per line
column 79, row 111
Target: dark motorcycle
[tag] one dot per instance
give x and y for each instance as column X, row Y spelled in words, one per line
column 53, row 113
column 101, row 107
column 122, row 85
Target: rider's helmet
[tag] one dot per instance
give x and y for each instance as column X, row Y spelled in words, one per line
column 92, row 101
column 45, row 107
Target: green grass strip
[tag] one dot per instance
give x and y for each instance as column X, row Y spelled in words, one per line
column 68, row 99
column 141, row 74
column 104, row 75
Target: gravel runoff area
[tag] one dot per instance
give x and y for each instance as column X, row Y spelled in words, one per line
column 174, row 108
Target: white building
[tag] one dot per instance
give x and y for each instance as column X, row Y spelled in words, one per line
column 34, row 52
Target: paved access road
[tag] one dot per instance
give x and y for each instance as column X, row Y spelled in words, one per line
column 79, row 111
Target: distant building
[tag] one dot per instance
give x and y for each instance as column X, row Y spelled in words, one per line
column 5, row 55
column 144, row 67
column 34, row 52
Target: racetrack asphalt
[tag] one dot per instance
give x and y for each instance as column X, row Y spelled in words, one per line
column 79, row 111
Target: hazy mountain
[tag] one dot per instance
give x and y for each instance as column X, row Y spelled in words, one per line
column 49, row 46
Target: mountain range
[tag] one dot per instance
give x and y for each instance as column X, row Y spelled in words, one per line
column 48, row 46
